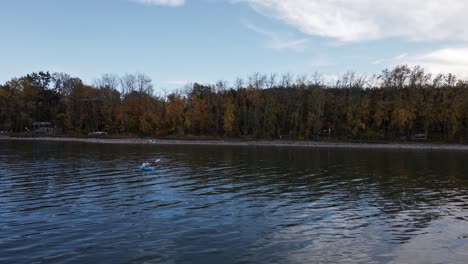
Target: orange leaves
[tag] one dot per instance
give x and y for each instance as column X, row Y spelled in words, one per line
column 229, row 116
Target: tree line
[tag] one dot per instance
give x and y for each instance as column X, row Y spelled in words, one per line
column 396, row 103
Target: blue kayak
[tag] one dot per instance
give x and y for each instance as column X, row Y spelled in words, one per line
column 147, row 168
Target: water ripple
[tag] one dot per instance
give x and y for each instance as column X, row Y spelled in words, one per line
column 69, row 202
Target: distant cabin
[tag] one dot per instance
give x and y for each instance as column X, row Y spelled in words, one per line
column 45, row 128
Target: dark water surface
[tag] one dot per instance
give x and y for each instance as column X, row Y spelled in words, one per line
column 83, row 203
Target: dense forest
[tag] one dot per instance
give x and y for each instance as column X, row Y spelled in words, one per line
column 392, row 105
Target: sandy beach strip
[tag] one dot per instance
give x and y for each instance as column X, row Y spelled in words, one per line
column 277, row 143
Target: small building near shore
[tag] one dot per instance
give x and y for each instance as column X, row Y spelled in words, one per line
column 45, row 128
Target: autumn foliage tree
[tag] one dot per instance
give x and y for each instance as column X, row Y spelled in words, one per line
column 395, row 104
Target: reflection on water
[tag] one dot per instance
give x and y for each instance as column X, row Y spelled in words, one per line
column 77, row 202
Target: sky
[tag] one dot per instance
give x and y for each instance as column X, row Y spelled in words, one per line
column 181, row 41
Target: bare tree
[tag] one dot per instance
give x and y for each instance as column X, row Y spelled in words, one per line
column 143, row 84
column 451, row 79
column 257, row 80
column 396, row 78
column 372, row 81
column 238, row 83
column 163, row 93
column 317, row 79
column 351, row 80
column 271, row 80
column 360, row 81
column 301, row 81
column 418, row 77
column 400, row 75
column 220, row 86
column 108, row 80
column 286, row 80
column 64, row 83
column 128, row 83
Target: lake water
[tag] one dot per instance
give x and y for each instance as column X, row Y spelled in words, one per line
column 88, row 203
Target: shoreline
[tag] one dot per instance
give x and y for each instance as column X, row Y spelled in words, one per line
column 273, row 143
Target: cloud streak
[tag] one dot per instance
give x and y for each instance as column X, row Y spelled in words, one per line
column 276, row 41
column 170, row 3
column 364, row 20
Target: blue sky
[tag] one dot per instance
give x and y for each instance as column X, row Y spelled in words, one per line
column 177, row 41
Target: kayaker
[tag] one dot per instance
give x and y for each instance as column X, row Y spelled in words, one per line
column 150, row 163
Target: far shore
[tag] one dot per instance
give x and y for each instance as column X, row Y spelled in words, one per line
column 277, row 143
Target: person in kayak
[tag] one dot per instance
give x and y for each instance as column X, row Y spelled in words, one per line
column 150, row 163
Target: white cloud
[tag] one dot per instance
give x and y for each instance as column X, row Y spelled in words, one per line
column 398, row 58
column 172, row 3
column 360, row 20
column 401, row 56
column 452, row 55
column 444, row 60
column 278, row 42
